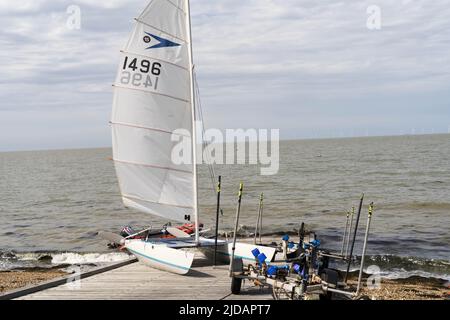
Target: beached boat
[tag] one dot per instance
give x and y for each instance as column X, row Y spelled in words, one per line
column 153, row 110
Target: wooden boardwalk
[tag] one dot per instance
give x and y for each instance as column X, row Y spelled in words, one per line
column 138, row 282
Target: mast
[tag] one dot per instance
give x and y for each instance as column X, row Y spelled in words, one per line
column 194, row 116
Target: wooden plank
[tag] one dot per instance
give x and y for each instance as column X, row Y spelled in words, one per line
column 60, row 281
column 138, row 282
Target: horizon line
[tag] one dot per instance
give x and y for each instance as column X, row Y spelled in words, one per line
column 281, row 140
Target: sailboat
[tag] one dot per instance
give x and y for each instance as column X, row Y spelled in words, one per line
column 154, row 96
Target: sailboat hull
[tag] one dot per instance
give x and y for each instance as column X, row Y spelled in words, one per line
column 243, row 251
column 160, row 256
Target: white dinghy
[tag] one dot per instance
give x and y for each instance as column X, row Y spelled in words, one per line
column 161, row 256
column 153, row 99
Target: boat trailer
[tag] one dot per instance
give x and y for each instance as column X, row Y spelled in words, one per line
column 303, row 272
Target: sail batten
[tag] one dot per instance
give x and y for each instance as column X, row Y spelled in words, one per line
column 152, row 100
column 148, row 128
column 155, row 93
column 159, row 203
column 176, row 6
column 177, row 65
column 162, row 14
column 151, row 166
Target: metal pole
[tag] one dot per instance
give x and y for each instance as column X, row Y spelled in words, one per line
column 366, row 238
column 301, row 235
column 345, row 233
column 354, row 237
column 219, row 187
column 257, row 220
column 349, row 231
column 194, row 117
column 238, row 212
column 261, row 220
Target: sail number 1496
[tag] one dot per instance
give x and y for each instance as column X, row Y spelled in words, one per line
column 144, row 66
column 140, row 73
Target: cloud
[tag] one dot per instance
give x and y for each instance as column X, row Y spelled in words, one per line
column 297, row 65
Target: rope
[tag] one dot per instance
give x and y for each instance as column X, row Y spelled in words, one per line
column 211, row 169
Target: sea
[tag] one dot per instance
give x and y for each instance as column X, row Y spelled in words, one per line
column 53, row 203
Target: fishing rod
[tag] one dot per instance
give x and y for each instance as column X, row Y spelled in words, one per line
column 354, row 236
column 352, row 215
column 259, row 220
column 219, row 187
column 345, row 233
column 238, row 212
column 366, row 238
column 301, row 235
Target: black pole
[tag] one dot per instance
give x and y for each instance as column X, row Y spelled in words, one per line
column 238, row 212
column 354, row 237
column 301, row 235
column 261, row 220
column 257, row 222
column 219, row 187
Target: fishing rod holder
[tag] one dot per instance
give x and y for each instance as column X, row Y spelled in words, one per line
column 304, row 269
column 304, row 272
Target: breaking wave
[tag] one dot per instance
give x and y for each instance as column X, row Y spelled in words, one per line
column 88, row 258
column 47, row 260
column 395, row 267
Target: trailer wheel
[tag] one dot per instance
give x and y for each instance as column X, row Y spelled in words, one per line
column 326, row 297
column 236, row 284
column 331, row 276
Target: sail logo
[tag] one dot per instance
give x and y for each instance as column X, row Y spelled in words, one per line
column 158, row 42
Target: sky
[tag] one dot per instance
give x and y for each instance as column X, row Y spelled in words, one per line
column 313, row 69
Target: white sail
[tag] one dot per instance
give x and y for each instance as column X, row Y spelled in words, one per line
column 153, row 97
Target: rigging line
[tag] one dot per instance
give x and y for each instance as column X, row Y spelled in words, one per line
column 200, row 109
column 201, row 118
column 210, row 165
